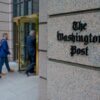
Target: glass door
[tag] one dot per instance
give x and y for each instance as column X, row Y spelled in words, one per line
column 24, row 31
column 25, row 28
column 22, row 27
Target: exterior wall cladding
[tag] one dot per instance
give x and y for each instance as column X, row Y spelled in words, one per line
column 69, row 78
column 6, row 21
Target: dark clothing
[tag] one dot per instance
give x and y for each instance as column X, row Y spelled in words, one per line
column 31, row 52
column 31, row 45
column 4, row 51
column 2, row 61
column 30, row 67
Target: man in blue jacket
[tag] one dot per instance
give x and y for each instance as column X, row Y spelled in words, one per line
column 31, row 51
column 4, row 52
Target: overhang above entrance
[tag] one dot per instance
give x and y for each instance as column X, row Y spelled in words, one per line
column 24, row 19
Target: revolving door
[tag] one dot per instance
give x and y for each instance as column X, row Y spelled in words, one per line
column 23, row 25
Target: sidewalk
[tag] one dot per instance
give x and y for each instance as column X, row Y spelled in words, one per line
column 17, row 86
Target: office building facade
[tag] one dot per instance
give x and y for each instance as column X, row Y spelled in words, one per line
column 70, row 50
column 6, row 22
column 23, row 8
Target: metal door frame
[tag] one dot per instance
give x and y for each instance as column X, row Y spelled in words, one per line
column 21, row 20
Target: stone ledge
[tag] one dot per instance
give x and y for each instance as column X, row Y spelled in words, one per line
column 65, row 6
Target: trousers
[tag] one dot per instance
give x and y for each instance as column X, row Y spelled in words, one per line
column 30, row 67
column 4, row 60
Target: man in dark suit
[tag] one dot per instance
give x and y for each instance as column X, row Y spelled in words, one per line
column 31, row 51
column 4, row 52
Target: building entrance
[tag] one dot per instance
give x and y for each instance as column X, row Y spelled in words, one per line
column 22, row 27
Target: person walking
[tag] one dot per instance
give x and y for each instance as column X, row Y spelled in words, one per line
column 31, row 51
column 4, row 52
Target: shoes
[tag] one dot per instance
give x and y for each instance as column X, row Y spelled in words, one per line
column 2, row 74
column 27, row 73
column 11, row 70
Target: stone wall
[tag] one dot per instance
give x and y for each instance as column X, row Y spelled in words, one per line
column 77, row 77
column 6, row 21
column 43, row 33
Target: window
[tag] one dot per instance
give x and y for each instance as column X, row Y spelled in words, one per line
column 25, row 7
column 35, row 6
column 22, row 9
column 18, row 10
column 29, row 7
